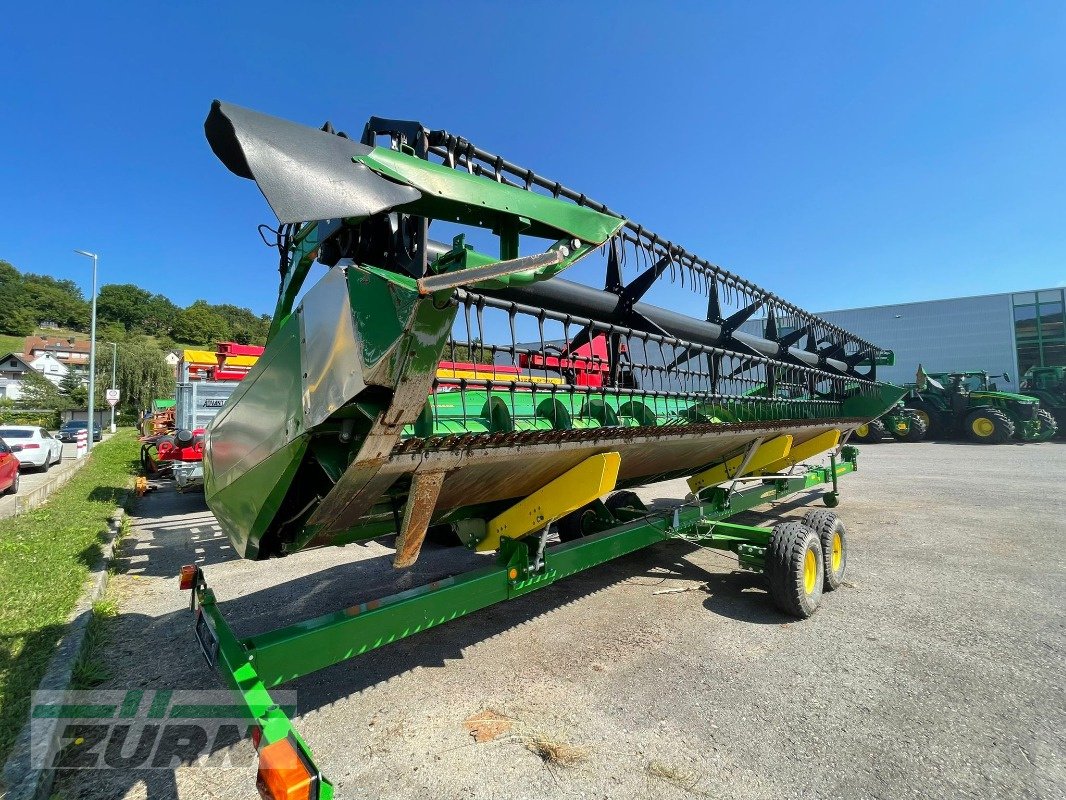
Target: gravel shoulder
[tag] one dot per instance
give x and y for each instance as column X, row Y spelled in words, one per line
column 936, row 671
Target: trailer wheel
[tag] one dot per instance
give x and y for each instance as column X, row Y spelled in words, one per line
column 988, row 426
column 794, row 568
column 624, row 499
column 578, row 523
column 834, row 536
column 443, row 534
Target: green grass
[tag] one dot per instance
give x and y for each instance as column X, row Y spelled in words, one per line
column 45, row 556
column 11, row 344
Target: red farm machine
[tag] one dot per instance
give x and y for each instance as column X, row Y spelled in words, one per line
column 172, row 442
column 424, row 385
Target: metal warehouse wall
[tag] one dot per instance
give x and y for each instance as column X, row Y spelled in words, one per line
column 962, row 333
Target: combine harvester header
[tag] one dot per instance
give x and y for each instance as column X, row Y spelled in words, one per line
column 425, row 383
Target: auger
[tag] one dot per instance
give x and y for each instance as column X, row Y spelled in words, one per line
column 452, row 384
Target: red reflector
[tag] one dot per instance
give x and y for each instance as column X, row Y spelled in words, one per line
column 31, row 447
column 257, row 736
column 282, row 773
column 188, row 576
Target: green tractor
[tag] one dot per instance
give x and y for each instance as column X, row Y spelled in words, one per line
column 954, row 404
column 1048, row 385
column 901, row 423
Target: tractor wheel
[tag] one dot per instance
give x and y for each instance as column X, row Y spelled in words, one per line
column 1048, row 425
column 927, row 415
column 988, row 426
column 624, row 499
column 578, row 523
column 834, row 536
column 870, row 432
column 917, row 431
column 794, row 568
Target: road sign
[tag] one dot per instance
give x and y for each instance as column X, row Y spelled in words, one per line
column 112, row 396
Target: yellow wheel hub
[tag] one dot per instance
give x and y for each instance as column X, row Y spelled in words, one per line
column 862, row 431
column 810, row 572
column 923, row 416
column 983, row 427
column 838, row 552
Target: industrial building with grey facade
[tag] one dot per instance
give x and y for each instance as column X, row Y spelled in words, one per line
column 997, row 333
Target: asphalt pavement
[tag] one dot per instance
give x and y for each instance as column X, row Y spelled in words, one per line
column 937, row 670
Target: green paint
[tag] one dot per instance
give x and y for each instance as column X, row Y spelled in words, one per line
column 255, row 664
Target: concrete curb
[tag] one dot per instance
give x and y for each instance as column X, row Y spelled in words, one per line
column 25, row 781
column 27, row 501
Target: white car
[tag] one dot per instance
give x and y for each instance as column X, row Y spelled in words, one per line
column 32, row 446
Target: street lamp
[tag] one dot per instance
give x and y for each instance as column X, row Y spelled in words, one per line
column 114, row 361
column 92, row 351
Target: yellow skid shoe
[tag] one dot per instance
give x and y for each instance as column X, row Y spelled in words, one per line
column 768, row 453
column 801, row 452
column 591, row 479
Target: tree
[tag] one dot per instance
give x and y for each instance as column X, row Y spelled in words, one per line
column 159, row 316
column 15, row 318
column 123, row 303
column 38, row 392
column 141, row 374
column 57, row 301
column 200, row 324
column 70, row 383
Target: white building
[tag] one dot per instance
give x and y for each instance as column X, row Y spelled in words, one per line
column 12, row 367
column 998, row 333
column 50, row 366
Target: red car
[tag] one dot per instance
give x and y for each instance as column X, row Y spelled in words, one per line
column 9, row 470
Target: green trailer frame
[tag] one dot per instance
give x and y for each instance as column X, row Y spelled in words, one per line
column 256, row 664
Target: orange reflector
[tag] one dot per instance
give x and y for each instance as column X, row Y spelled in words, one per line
column 188, row 576
column 512, row 573
column 283, row 774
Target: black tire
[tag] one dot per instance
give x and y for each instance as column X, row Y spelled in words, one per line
column 14, row 487
column 47, row 464
column 917, row 431
column 834, row 537
column 624, row 499
column 443, row 534
column 988, row 426
column 871, row 432
column 794, row 568
column 578, row 523
column 1049, row 426
column 927, row 415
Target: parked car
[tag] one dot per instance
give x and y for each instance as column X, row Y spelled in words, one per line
column 32, row 446
column 68, row 431
column 9, row 470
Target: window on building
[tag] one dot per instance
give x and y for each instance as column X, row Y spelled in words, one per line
column 1039, row 329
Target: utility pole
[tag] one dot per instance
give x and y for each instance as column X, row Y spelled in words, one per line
column 92, row 352
column 114, row 362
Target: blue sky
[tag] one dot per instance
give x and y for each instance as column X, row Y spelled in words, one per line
column 840, row 154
